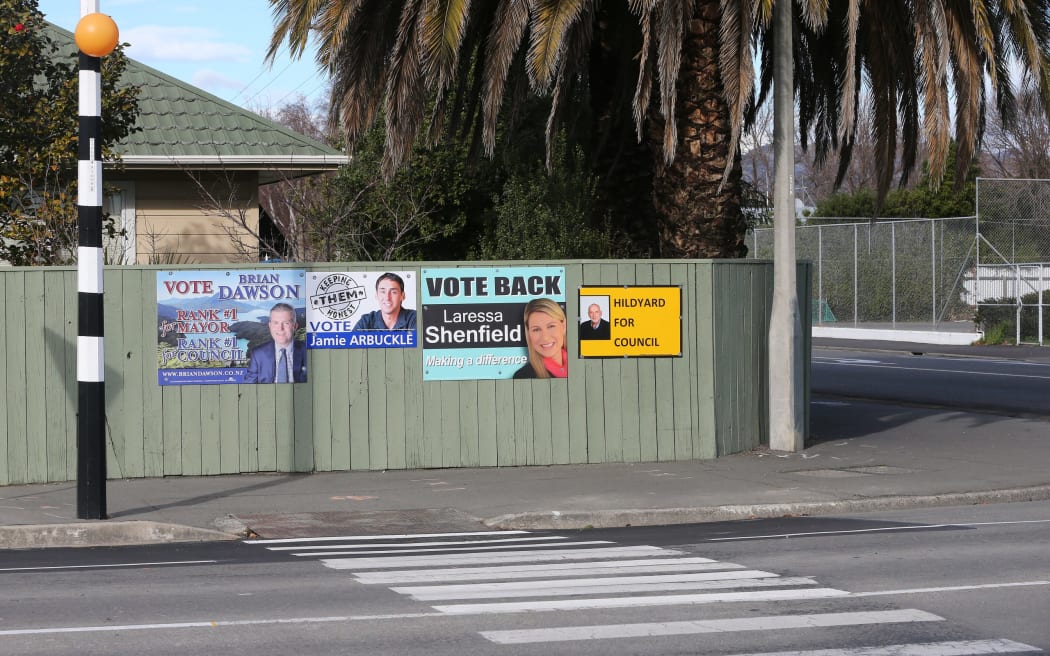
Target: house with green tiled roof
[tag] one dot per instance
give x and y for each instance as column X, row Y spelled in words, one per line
column 192, row 173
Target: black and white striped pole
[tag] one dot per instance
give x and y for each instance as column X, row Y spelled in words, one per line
column 96, row 36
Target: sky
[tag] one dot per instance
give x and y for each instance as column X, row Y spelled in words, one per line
column 217, row 45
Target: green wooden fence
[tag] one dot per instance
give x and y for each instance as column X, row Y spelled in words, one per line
column 369, row 408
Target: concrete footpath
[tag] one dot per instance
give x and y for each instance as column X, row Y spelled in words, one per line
column 861, row 457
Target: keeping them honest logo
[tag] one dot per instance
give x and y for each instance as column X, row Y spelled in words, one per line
column 337, row 296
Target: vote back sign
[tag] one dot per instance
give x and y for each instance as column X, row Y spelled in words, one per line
column 472, row 318
column 630, row 321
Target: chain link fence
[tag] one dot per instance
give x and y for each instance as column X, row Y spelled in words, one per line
column 1011, row 283
column 904, row 273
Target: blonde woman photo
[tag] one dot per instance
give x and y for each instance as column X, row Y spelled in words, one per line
column 544, row 323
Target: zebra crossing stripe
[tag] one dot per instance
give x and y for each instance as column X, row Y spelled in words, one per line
column 949, row 648
column 549, row 570
column 439, row 543
column 584, row 582
column 638, row 602
column 556, row 588
column 397, row 536
column 472, row 549
column 650, row 629
column 507, row 557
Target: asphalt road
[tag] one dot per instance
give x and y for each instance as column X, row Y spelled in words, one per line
column 1010, row 387
column 944, row 581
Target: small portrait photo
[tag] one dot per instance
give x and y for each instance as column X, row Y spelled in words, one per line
column 594, row 317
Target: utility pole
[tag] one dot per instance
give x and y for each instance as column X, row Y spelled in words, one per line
column 96, row 36
column 785, row 327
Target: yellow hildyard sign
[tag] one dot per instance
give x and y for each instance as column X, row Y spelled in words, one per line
column 643, row 321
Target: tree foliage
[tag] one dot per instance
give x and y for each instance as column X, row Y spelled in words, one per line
column 929, row 198
column 39, row 134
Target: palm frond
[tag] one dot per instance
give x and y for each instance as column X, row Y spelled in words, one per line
column 442, row 24
column 670, row 31
column 735, row 62
column 504, row 41
column 405, row 90
column 550, row 22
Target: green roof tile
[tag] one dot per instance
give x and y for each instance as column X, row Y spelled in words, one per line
column 183, row 125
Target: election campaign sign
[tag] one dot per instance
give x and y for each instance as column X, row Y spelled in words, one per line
column 630, row 321
column 218, row 327
column 474, row 325
column 361, row 309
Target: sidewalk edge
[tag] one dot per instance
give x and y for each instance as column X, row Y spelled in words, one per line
column 104, row 534
column 555, row 520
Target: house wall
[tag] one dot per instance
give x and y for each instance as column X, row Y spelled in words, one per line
column 370, row 408
column 179, row 221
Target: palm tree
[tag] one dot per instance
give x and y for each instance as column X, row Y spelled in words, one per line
column 671, row 81
column 918, row 57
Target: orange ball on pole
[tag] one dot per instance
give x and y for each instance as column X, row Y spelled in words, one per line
column 96, row 35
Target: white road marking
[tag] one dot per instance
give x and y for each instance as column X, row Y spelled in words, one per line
column 470, row 549
column 950, row 588
column 558, row 590
column 506, row 557
column 385, row 545
column 649, row 629
column 105, row 565
column 548, row 570
column 216, row 624
column 639, row 602
column 937, row 371
column 582, row 583
column 879, row 529
column 949, row 648
column 402, row 536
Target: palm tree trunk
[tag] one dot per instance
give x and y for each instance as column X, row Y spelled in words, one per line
column 697, row 202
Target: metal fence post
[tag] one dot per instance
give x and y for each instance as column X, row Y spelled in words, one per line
column 820, row 274
column 856, row 280
column 893, row 269
column 933, row 272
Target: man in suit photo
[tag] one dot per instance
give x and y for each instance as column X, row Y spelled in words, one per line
column 282, row 360
column 596, row 327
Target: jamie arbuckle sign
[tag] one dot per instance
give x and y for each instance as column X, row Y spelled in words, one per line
column 474, row 324
column 361, row 309
column 218, row 327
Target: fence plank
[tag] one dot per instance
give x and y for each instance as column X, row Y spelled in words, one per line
column 229, row 417
column 542, row 417
column 36, row 391
column 131, row 420
column 211, row 425
column 469, row 429
column 360, row 409
column 415, row 440
column 645, row 386
column 506, row 414
column 339, row 385
column 450, row 423
column 266, row 425
column 191, row 430
column 284, row 395
column 55, row 379
column 377, row 408
column 577, row 387
column 524, row 420
column 114, row 372
column 396, row 401
column 248, row 428
column 488, row 451
column 665, row 399
column 5, row 404
column 319, row 373
column 703, row 348
column 431, row 433
column 15, row 362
